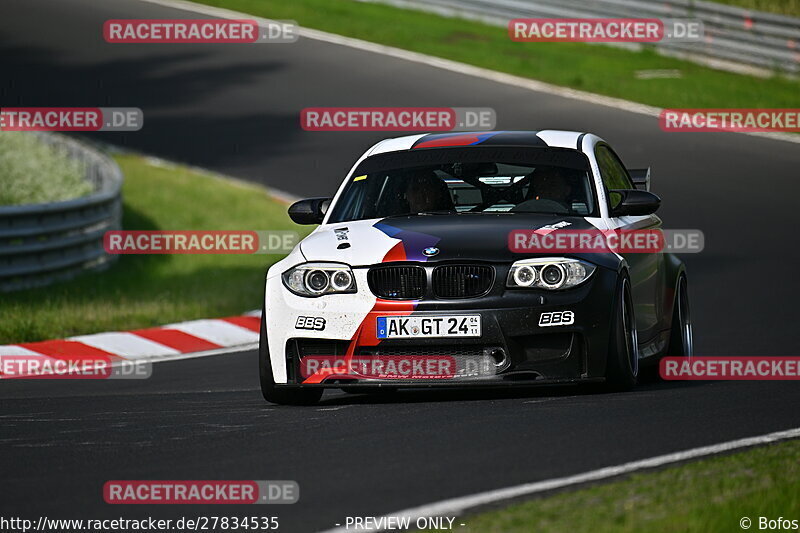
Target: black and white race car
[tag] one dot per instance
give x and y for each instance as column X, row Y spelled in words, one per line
column 411, row 278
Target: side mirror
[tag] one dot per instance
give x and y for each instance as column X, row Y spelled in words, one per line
column 309, row 211
column 633, row 202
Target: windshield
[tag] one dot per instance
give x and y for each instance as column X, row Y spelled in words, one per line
column 468, row 181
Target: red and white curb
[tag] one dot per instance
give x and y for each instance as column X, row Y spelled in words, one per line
column 183, row 340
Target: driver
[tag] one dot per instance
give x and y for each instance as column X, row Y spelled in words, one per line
column 550, row 183
column 427, row 192
column 549, row 191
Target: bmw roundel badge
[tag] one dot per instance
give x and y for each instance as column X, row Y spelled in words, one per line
column 430, row 251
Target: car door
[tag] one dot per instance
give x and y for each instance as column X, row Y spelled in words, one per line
column 646, row 269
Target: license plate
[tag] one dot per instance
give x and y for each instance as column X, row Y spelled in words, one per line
column 414, row 327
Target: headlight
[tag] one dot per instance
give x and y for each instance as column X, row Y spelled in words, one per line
column 550, row 273
column 524, row 276
column 316, row 279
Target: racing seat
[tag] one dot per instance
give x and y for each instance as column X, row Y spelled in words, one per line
column 428, row 192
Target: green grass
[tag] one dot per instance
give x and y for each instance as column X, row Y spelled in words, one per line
column 783, row 7
column 598, row 69
column 708, row 496
column 32, row 172
column 142, row 291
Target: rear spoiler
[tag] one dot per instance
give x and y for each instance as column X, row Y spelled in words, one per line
column 640, row 177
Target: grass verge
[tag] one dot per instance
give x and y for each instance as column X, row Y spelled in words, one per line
column 32, row 172
column 150, row 290
column 782, row 7
column 598, row 69
column 709, row 496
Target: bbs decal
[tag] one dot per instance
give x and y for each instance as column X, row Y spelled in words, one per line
column 310, row 322
column 557, row 318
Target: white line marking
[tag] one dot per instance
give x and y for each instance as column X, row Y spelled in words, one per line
column 457, row 506
column 219, row 332
column 179, row 357
column 194, row 355
column 133, row 348
column 12, row 349
column 454, row 66
column 125, row 344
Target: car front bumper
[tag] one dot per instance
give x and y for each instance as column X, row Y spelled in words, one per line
column 526, row 352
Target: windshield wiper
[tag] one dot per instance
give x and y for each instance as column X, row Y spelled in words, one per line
column 421, row 213
column 440, row 212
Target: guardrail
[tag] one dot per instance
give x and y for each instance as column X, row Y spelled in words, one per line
column 734, row 36
column 42, row 243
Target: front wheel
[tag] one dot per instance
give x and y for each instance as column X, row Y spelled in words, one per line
column 272, row 393
column 622, row 365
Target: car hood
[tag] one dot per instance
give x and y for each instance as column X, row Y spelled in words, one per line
column 481, row 237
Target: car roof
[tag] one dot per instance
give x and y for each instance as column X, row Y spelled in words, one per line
column 543, row 138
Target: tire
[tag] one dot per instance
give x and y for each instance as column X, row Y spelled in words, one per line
column 622, row 364
column 272, row 393
column 681, row 341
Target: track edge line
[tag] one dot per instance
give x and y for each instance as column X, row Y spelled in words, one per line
column 458, row 506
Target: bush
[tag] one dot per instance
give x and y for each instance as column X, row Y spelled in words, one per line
column 33, row 172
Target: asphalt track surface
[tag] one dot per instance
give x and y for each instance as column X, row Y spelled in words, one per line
column 235, row 108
